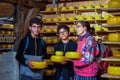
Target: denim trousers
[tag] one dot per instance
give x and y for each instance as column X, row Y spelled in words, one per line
column 64, row 74
column 77, row 77
column 23, row 77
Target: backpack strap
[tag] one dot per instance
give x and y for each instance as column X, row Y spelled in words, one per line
column 42, row 42
column 27, row 42
column 26, row 45
column 102, row 49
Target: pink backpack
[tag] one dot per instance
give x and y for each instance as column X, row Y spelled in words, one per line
column 105, row 51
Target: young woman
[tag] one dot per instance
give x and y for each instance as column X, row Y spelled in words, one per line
column 86, row 67
column 64, row 70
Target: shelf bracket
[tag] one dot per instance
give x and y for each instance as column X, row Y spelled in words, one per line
column 74, row 22
column 57, row 12
column 57, row 23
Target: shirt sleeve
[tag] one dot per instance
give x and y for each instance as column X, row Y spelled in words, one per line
column 75, row 46
column 19, row 56
column 45, row 55
column 55, row 48
column 89, row 51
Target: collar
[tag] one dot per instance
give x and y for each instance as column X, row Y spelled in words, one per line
column 30, row 36
column 84, row 36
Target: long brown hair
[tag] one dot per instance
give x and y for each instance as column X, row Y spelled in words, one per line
column 87, row 25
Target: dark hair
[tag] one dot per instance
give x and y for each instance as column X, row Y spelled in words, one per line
column 60, row 26
column 87, row 25
column 36, row 20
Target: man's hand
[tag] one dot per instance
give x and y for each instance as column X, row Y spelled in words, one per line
column 30, row 64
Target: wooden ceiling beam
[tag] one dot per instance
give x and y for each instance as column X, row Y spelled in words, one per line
column 27, row 3
column 19, row 25
column 24, row 15
column 12, row 1
column 6, row 9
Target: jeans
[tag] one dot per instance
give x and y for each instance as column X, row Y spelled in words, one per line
column 77, row 77
column 23, row 77
column 64, row 74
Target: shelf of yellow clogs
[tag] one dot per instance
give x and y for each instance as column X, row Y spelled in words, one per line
column 81, row 10
column 74, row 21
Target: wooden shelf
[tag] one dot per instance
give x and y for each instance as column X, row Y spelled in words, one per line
column 48, row 12
column 59, row 22
column 56, row 12
column 111, row 43
column 6, row 22
column 110, row 9
column 89, row 10
column 111, row 59
column 50, row 44
column 80, row 10
column 64, row 1
column 74, row 21
column 50, row 53
column 115, row 10
column 5, row 28
column 106, row 75
column 6, row 42
column 110, row 31
column 73, row 33
column 109, row 26
column 9, row 35
column 115, row 13
column 5, row 49
column 69, row 11
column 55, row 33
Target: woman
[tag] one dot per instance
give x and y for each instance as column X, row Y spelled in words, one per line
column 86, row 67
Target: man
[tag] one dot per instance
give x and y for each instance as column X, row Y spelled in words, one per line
column 31, row 48
column 64, row 70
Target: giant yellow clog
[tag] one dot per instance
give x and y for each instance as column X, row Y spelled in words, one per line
column 57, row 59
column 59, row 53
column 116, row 53
column 114, row 37
column 73, row 55
column 114, row 70
column 48, row 9
column 39, row 65
column 71, row 8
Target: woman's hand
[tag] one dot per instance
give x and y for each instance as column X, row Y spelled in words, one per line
column 64, row 62
column 69, row 60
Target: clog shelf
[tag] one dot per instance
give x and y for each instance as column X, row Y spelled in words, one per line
column 59, row 13
column 82, row 10
column 112, row 60
column 6, row 37
column 103, row 34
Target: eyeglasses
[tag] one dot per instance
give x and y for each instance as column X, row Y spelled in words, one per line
column 79, row 26
column 36, row 27
column 61, row 32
